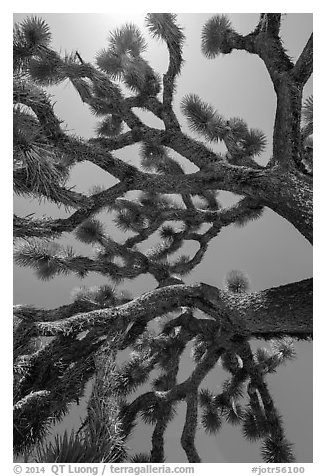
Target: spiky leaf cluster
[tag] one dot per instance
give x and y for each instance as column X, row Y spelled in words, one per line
column 254, row 426
column 31, row 36
column 230, row 362
column 155, row 158
column 210, row 417
column 140, row 458
column 38, row 169
column 204, row 120
column 132, row 374
column 48, row 259
column 104, row 295
column 158, row 410
column 90, row 231
column 164, row 26
column 110, row 126
column 307, row 115
column 277, row 450
column 281, row 351
column 215, row 36
column 123, row 61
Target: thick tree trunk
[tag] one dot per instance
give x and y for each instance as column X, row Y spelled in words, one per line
column 291, row 196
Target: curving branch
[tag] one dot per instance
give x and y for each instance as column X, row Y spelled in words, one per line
column 269, row 313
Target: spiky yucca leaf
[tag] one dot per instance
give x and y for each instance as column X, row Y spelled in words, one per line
column 307, row 115
column 238, row 127
column 164, row 165
column 230, row 361
column 211, row 420
column 140, row 458
column 47, row 258
column 202, row 118
column 130, row 220
column 106, row 294
column 31, row 253
column 64, row 449
column 103, row 295
column 170, row 350
column 206, row 398
column 234, row 414
column 254, row 142
column 40, row 173
column 169, row 166
column 153, row 200
column 277, row 450
column 151, row 151
column 154, row 157
column 254, row 427
column 157, row 410
column 237, row 282
column 222, row 402
column 111, row 126
column 182, row 265
column 139, row 76
column 215, row 36
column 104, row 254
column 100, row 107
column 47, row 70
column 284, row 349
column 233, row 388
column 252, row 214
column 110, row 62
column 164, row 26
column 127, row 39
column 267, row 361
column 262, row 355
column 90, row 231
column 31, row 36
column 27, row 132
column 167, row 232
column 132, row 374
column 36, row 31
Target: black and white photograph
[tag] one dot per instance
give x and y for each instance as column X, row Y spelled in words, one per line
column 162, row 238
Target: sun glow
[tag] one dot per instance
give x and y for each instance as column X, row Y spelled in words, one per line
column 121, row 18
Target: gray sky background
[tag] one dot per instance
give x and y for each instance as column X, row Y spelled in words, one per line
column 270, row 250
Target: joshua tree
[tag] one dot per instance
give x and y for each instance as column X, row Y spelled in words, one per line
column 58, row 351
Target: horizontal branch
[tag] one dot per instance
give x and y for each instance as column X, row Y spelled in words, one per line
column 95, row 153
column 282, row 310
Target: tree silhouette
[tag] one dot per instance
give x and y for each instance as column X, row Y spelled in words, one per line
column 58, row 351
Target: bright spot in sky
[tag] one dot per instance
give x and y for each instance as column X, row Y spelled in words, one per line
column 126, row 17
